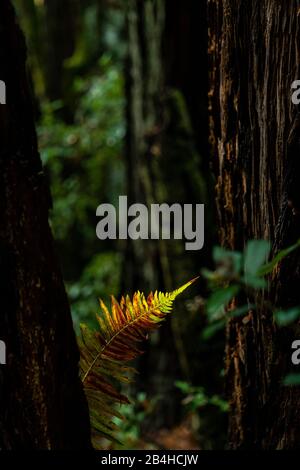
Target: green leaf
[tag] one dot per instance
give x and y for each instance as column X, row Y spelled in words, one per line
column 255, row 282
column 268, row 267
column 220, row 299
column 285, row 317
column 220, row 255
column 220, row 403
column 256, row 254
column 184, row 387
column 209, row 275
column 292, row 379
column 212, row 329
column 240, row 311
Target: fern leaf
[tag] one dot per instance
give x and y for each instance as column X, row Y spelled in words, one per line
column 104, row 354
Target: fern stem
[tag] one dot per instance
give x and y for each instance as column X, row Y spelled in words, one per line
column 100, row 353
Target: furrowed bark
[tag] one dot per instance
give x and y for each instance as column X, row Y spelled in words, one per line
column 41, row 400
column 254, row 58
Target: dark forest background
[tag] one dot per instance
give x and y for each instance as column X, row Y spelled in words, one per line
column 163, row 101
column 121, row 108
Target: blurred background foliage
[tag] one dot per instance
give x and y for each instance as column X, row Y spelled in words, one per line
column 121, row 109
column 81, row 129
column 85, row 167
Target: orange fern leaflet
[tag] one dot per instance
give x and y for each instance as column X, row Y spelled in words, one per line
column 104, row 353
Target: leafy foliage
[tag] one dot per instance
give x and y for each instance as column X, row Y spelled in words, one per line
column 237, row 273
column 84, row 163
column 256, row 254
column 83, row 158
column 285, row 317
column 292, row 379
column 105, row 353
column 101, row 275
column 129, row 429
column 195, row 397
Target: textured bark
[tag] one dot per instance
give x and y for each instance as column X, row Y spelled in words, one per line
column 254, row 57
column 41, row 400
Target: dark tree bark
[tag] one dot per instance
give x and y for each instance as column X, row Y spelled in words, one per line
column 28, row 14
column 254, row 48
column 59, row 40
column 41, row 400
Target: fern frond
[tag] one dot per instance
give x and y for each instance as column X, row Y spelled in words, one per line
column 104, row 354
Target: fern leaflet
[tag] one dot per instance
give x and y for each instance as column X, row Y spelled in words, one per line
column 104, row 354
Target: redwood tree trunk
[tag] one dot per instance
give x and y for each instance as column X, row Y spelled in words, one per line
column 41, row 400
column 254, row 47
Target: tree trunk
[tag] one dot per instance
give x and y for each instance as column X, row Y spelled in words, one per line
column 41, row 400
column 166, row 164
column 60, row 44
column 254, row 58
